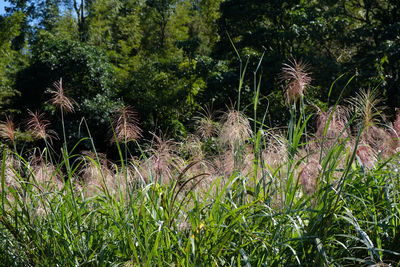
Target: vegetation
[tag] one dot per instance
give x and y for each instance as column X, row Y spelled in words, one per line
column 115, row 149
column 169, row 59
column 229, row 194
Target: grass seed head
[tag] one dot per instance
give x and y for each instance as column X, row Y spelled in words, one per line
column 45, row 174
column 60, row 100
column 126, row 125
column 235, row 128
column 366, row 156
column 396, row 124
column 337, row 120
column 297, row 77
column 97, row 174
column 40, row 127
column 276, row 151
column 12, row 165
column 378, row 139
column 7, row 129
column 332, row 128
column 367, row 104
column 193, row 147
column 206, row 126
column 163, row 160
column 309, row 176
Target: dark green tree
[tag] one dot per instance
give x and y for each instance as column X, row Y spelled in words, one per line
column 88, row 78
column 114, row 26
column 158, row 14
column 374, row 43
column 11, row 60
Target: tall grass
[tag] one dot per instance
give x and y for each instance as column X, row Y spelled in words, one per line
column 259, row 199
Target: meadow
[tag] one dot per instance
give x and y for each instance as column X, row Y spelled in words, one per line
column 323, row 191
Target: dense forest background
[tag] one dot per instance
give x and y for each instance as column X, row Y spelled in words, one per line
column 170, row 58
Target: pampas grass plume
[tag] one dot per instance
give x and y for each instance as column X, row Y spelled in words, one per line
column 7, row 129
column 40, row 126
column 297, row 77
column 60, row 100
column 126, row 125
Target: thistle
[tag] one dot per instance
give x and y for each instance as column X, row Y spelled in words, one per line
column 297, row 77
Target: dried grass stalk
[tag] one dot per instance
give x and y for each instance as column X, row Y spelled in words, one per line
column 366, row 156
column 126, row 125
column 7, row 129
column 40, row 127
column 163, row 160
column 60, row 100
column 206, row 126
column 309, row 175
column 235, row 129
column 297, row 77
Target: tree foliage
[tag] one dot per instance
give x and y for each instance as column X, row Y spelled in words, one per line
column 335, row 37
column 87, row 76
column 10, row 59
column 168, row 57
